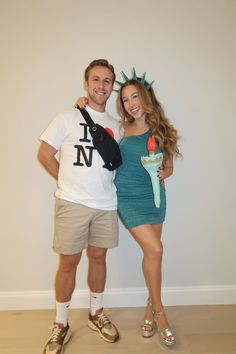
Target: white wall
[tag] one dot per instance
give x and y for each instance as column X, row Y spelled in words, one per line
column 188, row 48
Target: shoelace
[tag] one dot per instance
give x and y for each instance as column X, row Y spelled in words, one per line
column 55, row 333
column 103, row 320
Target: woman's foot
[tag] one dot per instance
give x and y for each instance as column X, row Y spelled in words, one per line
column 148, row 326
column 165, row 332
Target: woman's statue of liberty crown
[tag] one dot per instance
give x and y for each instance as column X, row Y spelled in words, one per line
column 134, row 77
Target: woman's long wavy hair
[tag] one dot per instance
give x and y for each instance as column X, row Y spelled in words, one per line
column 164, row 132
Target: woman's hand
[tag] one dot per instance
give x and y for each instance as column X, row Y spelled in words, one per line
column 161, row 176
column 81, row 102
column 164, row 172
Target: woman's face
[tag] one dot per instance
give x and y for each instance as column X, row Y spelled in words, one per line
column 131, row 101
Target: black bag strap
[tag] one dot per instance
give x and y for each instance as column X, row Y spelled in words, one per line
column 88, row 119
column 105, row 144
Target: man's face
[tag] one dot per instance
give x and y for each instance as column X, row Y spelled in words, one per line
column 99, row 87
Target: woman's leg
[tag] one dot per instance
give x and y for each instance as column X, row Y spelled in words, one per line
column 149, row 239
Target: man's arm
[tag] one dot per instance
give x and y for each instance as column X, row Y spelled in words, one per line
column 46, row 156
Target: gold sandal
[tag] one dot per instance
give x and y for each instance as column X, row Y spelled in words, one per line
column 167, row 336
column 148, row 327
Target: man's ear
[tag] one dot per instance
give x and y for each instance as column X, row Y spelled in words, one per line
column 85, row 85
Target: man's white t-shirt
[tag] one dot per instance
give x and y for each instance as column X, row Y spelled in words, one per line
column 82, row 178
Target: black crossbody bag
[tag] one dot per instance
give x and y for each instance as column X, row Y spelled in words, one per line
column 105, row 144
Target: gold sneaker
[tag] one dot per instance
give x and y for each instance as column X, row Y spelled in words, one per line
column 104, row 326
column 59, row 336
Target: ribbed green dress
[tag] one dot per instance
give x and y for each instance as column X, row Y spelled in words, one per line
column 134, row 188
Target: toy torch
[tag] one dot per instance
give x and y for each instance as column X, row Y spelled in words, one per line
column 152, row 163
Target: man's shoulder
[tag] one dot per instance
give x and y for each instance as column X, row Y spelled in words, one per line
column 71, row 112
column 68, row 116
column 112, row 119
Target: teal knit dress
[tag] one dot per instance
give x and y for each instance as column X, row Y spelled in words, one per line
column 134, row 188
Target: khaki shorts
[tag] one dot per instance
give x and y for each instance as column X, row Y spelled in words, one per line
column 77, row 226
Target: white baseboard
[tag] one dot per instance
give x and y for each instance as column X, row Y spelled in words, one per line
column 127, row 297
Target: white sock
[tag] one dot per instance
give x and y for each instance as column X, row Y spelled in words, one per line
column 95, row 302
column 62, row 309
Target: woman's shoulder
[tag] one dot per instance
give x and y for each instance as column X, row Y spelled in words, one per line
column 127, row 127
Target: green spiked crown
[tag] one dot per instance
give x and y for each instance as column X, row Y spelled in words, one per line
column 134, row 77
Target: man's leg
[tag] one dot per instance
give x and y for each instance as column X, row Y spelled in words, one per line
column 71, row 231
column 96, row 281
column 96, row 276
column 65, row 277
column 64, row 287
column 97, row 268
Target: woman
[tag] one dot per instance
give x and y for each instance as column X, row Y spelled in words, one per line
column 142, row 116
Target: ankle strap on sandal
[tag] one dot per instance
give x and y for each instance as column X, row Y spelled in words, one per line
column 157, row 313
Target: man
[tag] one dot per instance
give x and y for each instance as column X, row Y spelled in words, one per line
column 85, row 210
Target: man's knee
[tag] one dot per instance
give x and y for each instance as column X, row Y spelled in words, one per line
column 97, row 254
column 69, row 263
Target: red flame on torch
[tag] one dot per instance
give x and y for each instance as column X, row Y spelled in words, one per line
column 151, row 144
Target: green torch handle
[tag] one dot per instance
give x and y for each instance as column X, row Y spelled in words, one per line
column 156, row 188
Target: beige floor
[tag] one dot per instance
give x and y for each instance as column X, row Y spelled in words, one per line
column 199, row 329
